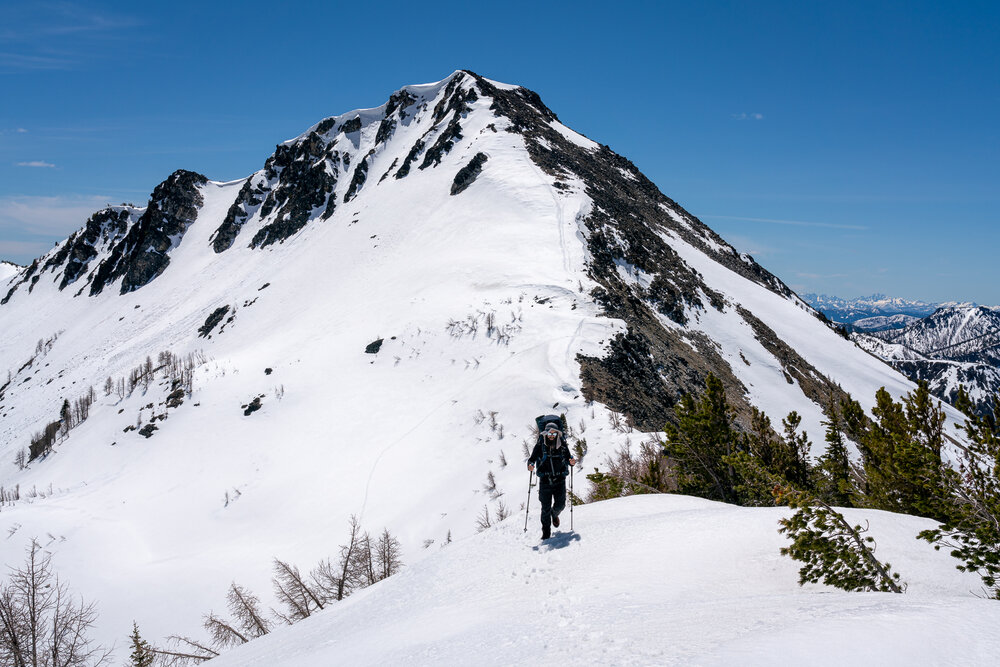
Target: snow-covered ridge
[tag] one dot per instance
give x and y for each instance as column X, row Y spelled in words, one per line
column 7, row 271
column 707, row 576
column 398, row 299
column 956, row 332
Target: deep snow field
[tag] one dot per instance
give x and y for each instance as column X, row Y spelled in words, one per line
column 647, row 580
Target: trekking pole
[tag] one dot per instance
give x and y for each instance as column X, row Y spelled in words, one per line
column 571, row 503
column 527, row 504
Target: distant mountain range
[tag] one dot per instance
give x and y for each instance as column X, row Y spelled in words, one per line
column 877, row 311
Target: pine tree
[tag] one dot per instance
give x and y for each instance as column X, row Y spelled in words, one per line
column 972, row 532
column 755, row 462
column 142, row 653
column 699, row 443
column 834, row 467
column 901, row 451
column 832, row 551
column 792, row 462
column 963, row 403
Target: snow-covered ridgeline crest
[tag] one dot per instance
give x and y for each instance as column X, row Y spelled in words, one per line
column 7, row 270
column 495, row 263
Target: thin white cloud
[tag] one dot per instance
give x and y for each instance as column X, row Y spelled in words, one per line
column 796, row 223
column 52, row 217
column 23, row 249
column 28, row 62
column 36, row 163
column 748, row 116
column 42, row 36
column 21, row 130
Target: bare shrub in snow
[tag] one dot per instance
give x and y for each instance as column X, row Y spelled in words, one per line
column 491, row 485
column 501, row 512
column 247, row 621
column 294, row 592
column 41, row 624
column 483, row 521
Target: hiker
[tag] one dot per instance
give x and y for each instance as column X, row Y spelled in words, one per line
column 552, row 459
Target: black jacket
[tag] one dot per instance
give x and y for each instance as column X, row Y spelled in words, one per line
column 550, row 462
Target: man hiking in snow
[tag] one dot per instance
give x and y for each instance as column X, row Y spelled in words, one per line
column 552, row 459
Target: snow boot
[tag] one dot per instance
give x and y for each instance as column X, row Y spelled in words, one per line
column 555, row 521
column 546, row 533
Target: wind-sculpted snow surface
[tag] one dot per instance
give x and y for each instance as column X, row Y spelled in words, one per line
column 510, row 267
column 647, row 580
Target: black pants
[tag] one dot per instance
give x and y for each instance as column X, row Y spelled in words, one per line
column 552, row 496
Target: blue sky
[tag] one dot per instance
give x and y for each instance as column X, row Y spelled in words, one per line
column 851, row 147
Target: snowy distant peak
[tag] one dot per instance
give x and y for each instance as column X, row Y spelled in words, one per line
column 954, row 346
column 960, row 333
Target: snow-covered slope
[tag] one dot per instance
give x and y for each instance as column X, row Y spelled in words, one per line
column 367, row 326
column 7, row 271
column 954, row 346
column 882, row 322
column 647, row 580
column 962, row 333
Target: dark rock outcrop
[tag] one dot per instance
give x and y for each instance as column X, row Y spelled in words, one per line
column 444, row 143
column 467, row 174
column 304, row 176
column 418, row 146
column 25, row 277
column 247, row 201
column 107, row 227
column 212, row 321
column 142, row 254
column 252, row 407
column 359, row 178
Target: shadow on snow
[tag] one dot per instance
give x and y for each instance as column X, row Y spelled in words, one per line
column 558, row 541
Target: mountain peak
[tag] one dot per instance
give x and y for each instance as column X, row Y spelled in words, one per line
column 455, row 260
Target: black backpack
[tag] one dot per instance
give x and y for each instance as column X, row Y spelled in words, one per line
column 544, row 420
